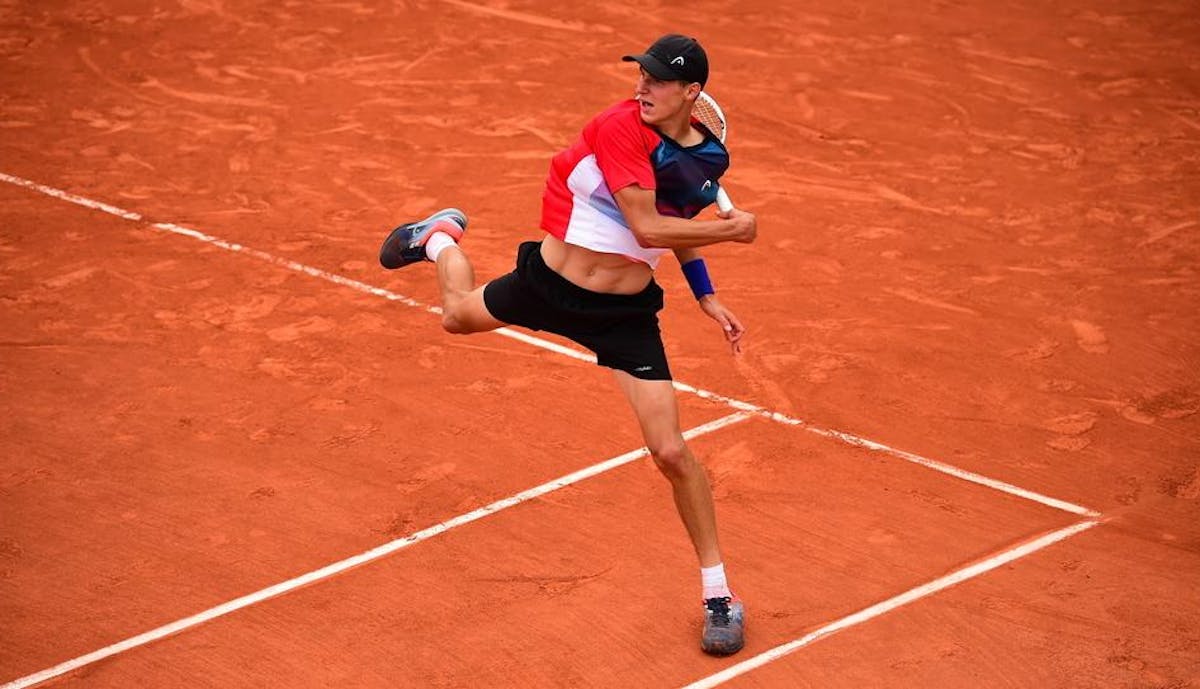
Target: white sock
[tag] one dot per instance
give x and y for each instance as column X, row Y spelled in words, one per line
column 435, row 244
column 713, row 581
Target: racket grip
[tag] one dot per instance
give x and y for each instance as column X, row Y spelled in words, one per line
column 723, row 201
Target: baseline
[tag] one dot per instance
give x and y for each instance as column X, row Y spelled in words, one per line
column 883, row 607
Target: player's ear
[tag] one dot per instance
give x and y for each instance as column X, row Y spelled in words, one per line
column 692, row 90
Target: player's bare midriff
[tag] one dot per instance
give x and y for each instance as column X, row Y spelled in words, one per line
column 593, row 270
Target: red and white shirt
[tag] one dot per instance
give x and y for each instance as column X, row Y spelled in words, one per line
column 617, row 149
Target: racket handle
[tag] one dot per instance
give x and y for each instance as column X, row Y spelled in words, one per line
column 723, row 201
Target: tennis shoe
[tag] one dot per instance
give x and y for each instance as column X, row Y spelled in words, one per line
column 406, row 244
column 724, row 626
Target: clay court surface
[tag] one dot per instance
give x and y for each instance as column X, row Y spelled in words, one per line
column 960, row 449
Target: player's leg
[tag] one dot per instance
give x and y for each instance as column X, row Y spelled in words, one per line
column 657, row 412
column 436, row 239
column 463, row 309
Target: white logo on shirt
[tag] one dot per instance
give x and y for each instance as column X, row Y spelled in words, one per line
column 707, row 185
column 678, row 61
column 644, row 368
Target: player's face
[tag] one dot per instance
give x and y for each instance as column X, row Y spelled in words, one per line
column 661, row 100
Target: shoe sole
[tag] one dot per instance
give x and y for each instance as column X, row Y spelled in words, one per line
column 723, row 651
column 454, row 214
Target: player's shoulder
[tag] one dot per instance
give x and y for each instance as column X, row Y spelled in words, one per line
column 624, row 115
column 625, row 109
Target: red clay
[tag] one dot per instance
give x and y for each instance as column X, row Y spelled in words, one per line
column 978, row 243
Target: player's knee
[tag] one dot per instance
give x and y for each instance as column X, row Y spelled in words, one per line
column 455, row 317
column 672, row 457
column 453, row 324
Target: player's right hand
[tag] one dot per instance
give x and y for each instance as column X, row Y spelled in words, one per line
column 747, row 224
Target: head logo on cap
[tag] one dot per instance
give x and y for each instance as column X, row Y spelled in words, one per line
column 674, row 57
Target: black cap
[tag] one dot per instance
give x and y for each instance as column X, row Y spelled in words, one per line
column 674, row 57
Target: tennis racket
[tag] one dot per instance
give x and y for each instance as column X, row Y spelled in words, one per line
column 706, row 110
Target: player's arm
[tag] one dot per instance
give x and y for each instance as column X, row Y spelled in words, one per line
column 654, row 230
column 696, row 272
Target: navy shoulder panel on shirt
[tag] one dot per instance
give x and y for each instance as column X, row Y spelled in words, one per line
column 688, row 176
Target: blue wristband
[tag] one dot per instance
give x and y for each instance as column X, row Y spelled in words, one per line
column 697, row 276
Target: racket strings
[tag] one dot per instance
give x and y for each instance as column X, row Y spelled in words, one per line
column 708, row 114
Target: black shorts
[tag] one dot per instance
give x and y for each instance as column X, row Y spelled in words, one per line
column 622, row 329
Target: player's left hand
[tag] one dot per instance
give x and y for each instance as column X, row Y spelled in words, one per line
column 730, row 325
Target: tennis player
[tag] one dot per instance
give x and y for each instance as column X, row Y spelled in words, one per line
column 616, row 200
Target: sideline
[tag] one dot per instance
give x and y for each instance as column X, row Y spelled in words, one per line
column 739, row 405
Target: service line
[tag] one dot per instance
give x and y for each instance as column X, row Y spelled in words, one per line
column 945, row 582
column 343, row 565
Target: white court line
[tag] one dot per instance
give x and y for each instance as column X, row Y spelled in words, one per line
column 343, row 565
column 956, row 472
column 890, row 604
column 739, row 405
